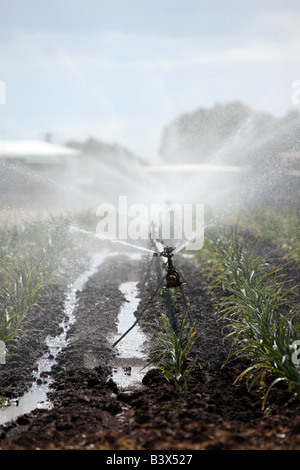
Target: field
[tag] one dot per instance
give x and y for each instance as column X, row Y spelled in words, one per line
column 232, row 381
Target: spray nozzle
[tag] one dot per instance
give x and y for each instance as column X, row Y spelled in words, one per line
column 166, row 253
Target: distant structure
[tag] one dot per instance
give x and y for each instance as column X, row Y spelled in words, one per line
column 33, row 169
column 35, row 153
column 40, row 173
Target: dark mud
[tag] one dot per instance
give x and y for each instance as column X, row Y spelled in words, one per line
column 90, row 411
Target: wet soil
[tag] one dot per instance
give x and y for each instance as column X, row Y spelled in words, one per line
column 91, row 412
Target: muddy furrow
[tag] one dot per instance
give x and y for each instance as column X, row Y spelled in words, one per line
column 91, row 411
column 89, row 339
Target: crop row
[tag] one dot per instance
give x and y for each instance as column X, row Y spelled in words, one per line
column 259, row 306
column 34, row 253
column 174, row 335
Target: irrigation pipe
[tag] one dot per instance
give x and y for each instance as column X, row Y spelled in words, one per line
column 138, row 318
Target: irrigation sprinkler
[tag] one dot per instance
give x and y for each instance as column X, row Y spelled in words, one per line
column 172, row 278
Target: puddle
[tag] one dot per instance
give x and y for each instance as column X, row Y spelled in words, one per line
column 130, row 350
column 128, row 378
column 132, row 344
column 36, row 397
column 33, row 399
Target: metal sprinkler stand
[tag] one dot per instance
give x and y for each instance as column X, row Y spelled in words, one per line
column 172, row 276
column 173, row 280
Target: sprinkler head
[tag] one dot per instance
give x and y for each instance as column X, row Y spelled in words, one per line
column 166, row 253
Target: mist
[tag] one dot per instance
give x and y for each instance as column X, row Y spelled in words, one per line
column 165, row 103
column 228, row 158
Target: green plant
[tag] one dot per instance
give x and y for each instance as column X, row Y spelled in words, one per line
column 255, row 303
column 171, row 355
column 20, row 290
column 2, row 401
column 33, row 254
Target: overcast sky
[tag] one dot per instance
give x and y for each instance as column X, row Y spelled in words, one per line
column 120, row 70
